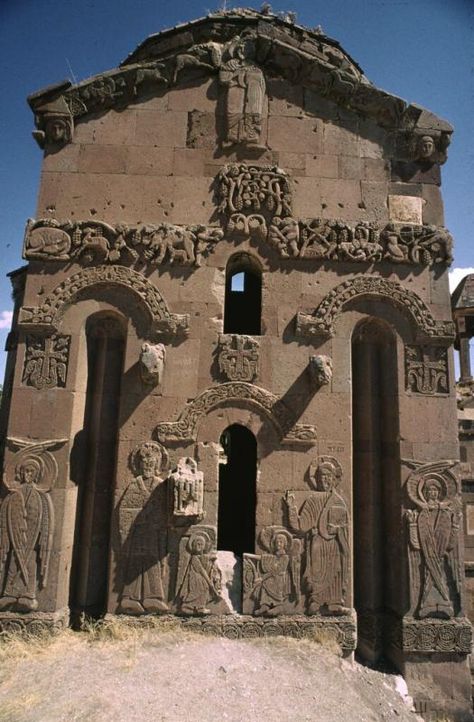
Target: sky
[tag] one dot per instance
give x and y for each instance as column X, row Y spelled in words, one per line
column 420, row 50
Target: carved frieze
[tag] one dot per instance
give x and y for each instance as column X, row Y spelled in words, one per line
column 142, row 514
column 238, row 357
column 426, row 369
column 187, row 489
column 433, row 523
column 321, row 322
column 49, row 314
column 199, row 579
column 46, row 361
column 272, row 580
column 323, row 522
column 271, row 407
column 93, row 242
column 152, row 363
column 27, row 524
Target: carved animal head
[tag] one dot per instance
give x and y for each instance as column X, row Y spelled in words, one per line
column 320, row 368
column 152, row 363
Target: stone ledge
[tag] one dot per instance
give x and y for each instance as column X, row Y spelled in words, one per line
column 34, row 622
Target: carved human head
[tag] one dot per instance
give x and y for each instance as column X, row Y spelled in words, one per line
column 198, row 544
column 425, row 147
column 28, row 472
column 58, row 129
column 326, row 476
column 432, row 490
column 280, row 543
column 148, row 459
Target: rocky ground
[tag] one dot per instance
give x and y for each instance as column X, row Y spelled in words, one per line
column 125, row 675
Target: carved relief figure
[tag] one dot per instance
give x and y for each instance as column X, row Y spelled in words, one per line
column 435, row 577
column 324, row 521
column 187, row 484
column 46, row 361
column 245, row 85
column 272, row 580
column 320, row 369
column 142, row 524
column 198, row 585
column 27, row 527
column 238, row 357
column 152, row 363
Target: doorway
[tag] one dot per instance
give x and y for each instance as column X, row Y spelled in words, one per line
column 237, row 491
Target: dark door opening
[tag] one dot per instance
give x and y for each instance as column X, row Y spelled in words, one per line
column 105, row 358
column 377, row 571
column 237, row 491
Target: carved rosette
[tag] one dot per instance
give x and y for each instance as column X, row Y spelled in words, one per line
column 238, row 357
column 322, row 321
column 46, row 361
column 426, row 370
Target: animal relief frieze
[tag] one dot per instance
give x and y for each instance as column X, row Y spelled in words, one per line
column 95, row 242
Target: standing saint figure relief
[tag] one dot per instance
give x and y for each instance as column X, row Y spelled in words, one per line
column 245, row 84
column 26, row 531
column 143, row 524
column 433, row 531
column 324, row 521
column 199, row 579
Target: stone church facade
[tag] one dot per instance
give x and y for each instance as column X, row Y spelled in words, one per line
column 231, row 385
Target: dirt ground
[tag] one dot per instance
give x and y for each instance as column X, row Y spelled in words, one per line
column 171, row 676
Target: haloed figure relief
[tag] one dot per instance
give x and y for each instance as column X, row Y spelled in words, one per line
column 143, row 522
column 435, row 577
column 26, row 532
column 272, row 581
column 199, row 581
column 324, row 521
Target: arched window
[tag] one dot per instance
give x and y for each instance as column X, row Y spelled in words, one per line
column 105, row 358
column 237, row 491
column 243, row 295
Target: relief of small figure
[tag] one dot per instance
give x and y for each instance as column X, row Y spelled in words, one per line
column 26, row 532
column 272, row 581
column 199, row 580
column 433, row 534
column 143, row 523
column 324, row 521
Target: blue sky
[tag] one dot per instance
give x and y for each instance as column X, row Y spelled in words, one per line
column 421, row 50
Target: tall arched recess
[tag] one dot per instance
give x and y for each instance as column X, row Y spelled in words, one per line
column 237, row 491
column 105, row 358
column 376, row 490
column 243, row 295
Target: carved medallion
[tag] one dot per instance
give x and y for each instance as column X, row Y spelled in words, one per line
column 238, row 357
column 46, row 361
column 426, row 369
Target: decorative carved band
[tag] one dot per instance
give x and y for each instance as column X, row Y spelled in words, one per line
column 93, row 242
column 433, row 635
column 184, row 430
column 48, row 315
column 321, row 322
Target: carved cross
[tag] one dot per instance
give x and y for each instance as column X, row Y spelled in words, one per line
column 239, row 358
column 427, row 371
column 46, row 365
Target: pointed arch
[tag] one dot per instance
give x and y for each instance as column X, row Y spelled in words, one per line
column 322, row 321
column 48, row 316
column 184, row 430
